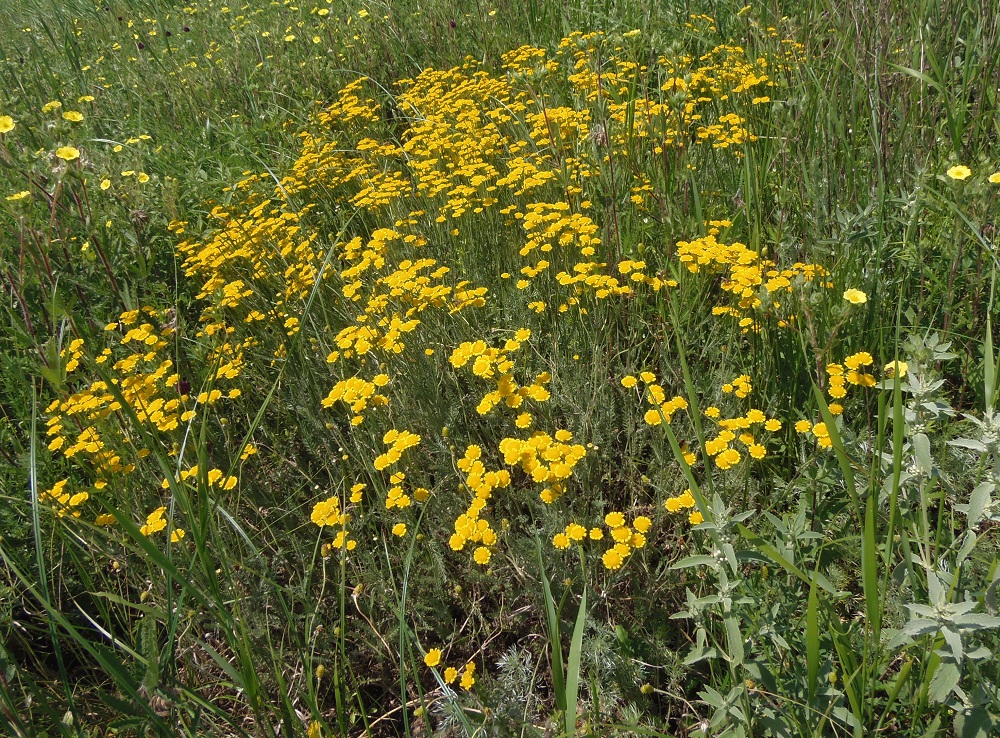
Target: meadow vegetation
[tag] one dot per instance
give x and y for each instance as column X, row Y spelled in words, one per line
column 493, row 369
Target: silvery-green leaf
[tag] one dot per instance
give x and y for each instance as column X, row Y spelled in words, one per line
column 934, row 588
column 979, row 502
column 977, row 621
column 918, row 626
column 699, row 560
column 991, row 597
column 730, row 553
column 954, row 641
column 945, row 679
column 922, row 450
column 925, row 610
column 974, row 722
column 979, row 654
column 968, row 443
column 734, row 640
column 700, row 654
column 968, row 543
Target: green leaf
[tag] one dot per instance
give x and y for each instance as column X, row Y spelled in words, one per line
column 922, row 450
column 973, row 723
column 812, row 639
column 573, row 665
column 734, row 638
column 699, row 560
column 945, row 679
column 918, row 75
column 555, row 641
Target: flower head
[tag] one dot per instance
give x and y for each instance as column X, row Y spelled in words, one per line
column 68, row 153
column 6, row 124
column 896, row 369
column 855, row 297
column 960, row 172
column 994, row 178
column 433, row 657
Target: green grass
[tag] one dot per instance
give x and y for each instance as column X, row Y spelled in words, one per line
column 840, row 590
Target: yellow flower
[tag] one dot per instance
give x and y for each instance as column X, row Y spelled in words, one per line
column 803, row 426
column 143, row 178
column 433, row 657
column 6, row 124
column 482, row 555
column 612, row 559
column 177, row 534
column 468, row 676
column 450, row 674
column 995, row 178
column 19, row 195
column 629, row 381
column 68, row 153
column 73, row 116
column 50, row 106
column 105, row 184
column 855, row 297
column 896, row 368
column 614, row 520
column 560, row 540
column 326, row 512
column 399, row 529
column 960, row 172
column 695, row 518
column 642, row 523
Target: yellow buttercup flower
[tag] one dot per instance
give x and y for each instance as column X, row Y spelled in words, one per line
column 960, row 172
column 6, row 124
column 68, row 153
column 73, row 116
column 995, row 178
column 855, row 297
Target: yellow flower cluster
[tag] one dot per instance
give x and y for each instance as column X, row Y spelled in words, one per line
column 328, row 513
column 755, row 282
column 358, row 394
column 624, row 539
column 470, row 526
column 684, row 501
column 61, row 501
column 738, row 429
column 81, row 426
column 398, row 442
column 495, row 363
column 545, row 459
column 433, row 660
column 155, row 522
